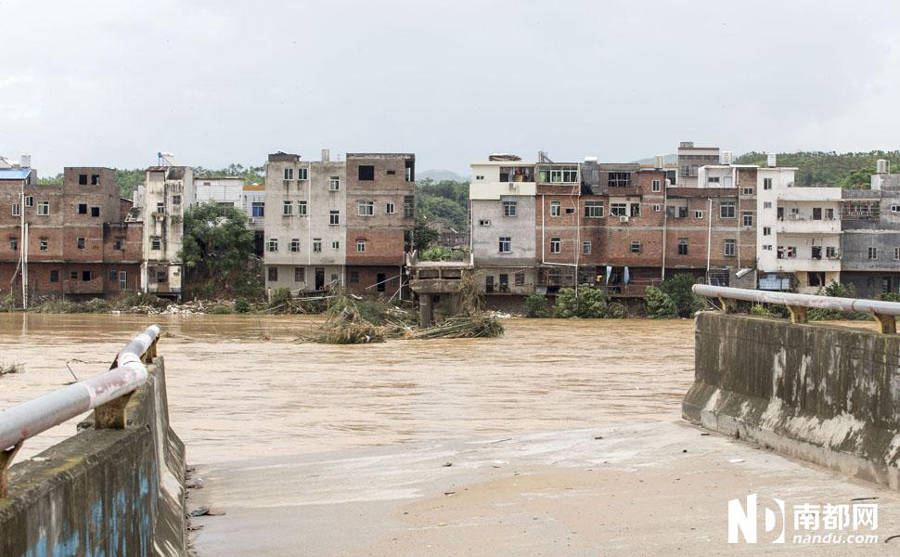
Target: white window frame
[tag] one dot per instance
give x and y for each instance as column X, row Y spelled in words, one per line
column 586, row 247
column 15, row 210
column 272, row 245
column 389, row 209
column 335, row 245
column 360, row 245
column 656, row 185
column 510, row 208
column 748, row 191
column 618, row 209
column 594, row 209
column 334, row 218
column 302, row 173
column 744, row 216
column 896, row 254
column 727, row 205
column 302, row 208
column 767, row 183
column 505, row 242
column 555, row 208
column 698, row 214
column 767, row 231
column 334, row 183
column 657, row 207
column 365, row 208
column 295, row 245
column 730, row 247
column 288, row 173
column 29, row 201
column 555, row 245
column 43, row 208
column 873, row 253
column 287, row 209
column 317, row 245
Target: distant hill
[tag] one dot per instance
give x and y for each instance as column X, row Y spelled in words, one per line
column 818, row 168
column 670, row 158
column 441, row 175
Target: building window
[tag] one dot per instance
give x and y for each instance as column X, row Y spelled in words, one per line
column 258, row 209
column 354, row 276
column 29, row 201
column 82, row 179
column 712, row 180
column 635, row 209
column 895, row 208
column 44, row 244
column 520, row 278
column 73, row 275
column 698, row 214
column 273, row 245
column 95, row 212
column 748, row 218
column 748, row 191
column 288, row 173
column 896, row 254
column 555, row 207
column 767, row 183
column 360, row 245
column 299, row 274
column 95, row 179
column 85, row 276
column 636, row 247
column 317, row 245
column 817, row 213
column 334, row 218
column 682, row 246
column 767, row 230
column 586, row 247
column 593, row 209
column 555, row 245
column 273, row 274
column 618, row 209
column 767, row 204
column 726, row 210
column 619, row 179
column 831, row 252
column 505, row 244
column 161, row 207
column 303, row 173
column 43, row 208
column 301, row 208
column 54, row 276
column 873, row 253
column 15, row 210
column 657, row 208
column 829, row 214
column 366, row 172
column 409, row 206
column 79, row 242
column 14, row 244
column 365, row 208
column 389, row 208
column 730, row 248
column 113, row 276
column 82, row 208
column 334, row 183
column 155, row 243
column 656, row 186
column 287, row 208
column 335, row 245
column 489, row 284
column 767, row 247
column 162, row 274
column 509, row 208
column 295, row 245
column 176, row 200
column 119, row 243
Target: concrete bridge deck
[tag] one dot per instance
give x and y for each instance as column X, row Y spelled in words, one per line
column 633, row 492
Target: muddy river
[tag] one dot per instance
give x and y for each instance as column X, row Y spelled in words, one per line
column 241, row 384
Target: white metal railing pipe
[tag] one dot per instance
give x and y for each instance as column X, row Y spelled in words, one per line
column 40, row 414
column 799, row 300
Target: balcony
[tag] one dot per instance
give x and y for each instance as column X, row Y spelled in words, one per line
column 798, row 264
column 792, row 224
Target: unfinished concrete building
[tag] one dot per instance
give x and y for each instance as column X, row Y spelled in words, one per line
column 165, row 193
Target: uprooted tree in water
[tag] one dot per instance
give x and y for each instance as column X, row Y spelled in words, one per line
column 354, row 320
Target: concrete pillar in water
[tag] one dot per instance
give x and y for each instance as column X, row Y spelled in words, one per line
column 425, row 310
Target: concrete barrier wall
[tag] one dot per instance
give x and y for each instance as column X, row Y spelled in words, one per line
column 103, row 492
column 822, row 393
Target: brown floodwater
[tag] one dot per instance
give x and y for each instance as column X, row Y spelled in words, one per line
column 239, row 386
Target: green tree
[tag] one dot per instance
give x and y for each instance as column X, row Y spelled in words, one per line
column 678, row 288
column 424, row 235
column 218, row 252
column 659, row 304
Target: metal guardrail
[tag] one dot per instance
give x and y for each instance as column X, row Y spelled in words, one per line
column 885, row 313
column 106, row 393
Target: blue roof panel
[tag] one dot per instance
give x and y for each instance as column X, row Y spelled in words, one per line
column 14, row 173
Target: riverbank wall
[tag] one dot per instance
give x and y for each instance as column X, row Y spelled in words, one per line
column 103, row 491
column 822, row 393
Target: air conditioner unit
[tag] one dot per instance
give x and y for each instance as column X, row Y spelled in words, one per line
column 623, row 218
column 513, row 187
column 251, row 220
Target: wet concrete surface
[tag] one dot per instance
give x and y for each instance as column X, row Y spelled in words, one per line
column 340, row 450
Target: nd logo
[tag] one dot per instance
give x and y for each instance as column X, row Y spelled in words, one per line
column 744, row 519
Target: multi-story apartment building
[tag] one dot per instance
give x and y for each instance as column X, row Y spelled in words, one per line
column 253, row 202
column 167, row 191
column 798, row 233
column 335, row 223
column 870, row 235
column 67, row 239
column 620, row 226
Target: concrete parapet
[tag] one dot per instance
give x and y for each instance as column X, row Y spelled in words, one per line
column 822, row 393
column 103, row 491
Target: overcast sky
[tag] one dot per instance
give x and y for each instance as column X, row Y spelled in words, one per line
column 111, row 82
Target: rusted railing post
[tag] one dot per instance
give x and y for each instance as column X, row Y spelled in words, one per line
column 6, row 458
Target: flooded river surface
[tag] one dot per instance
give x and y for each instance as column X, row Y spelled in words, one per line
column 241, row 385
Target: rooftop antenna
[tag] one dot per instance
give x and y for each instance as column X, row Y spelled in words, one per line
column 165, row 159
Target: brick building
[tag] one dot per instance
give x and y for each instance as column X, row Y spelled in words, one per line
column 74, row 235
column 339, row 223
